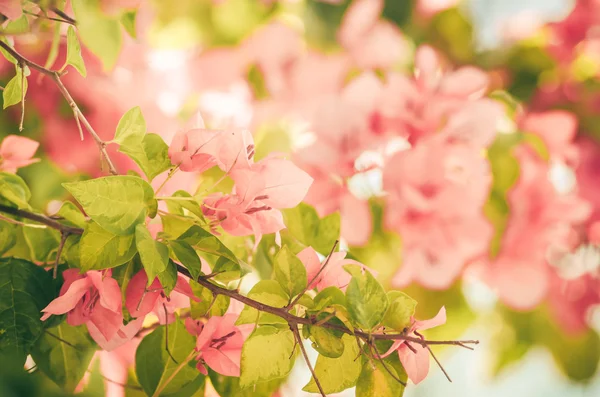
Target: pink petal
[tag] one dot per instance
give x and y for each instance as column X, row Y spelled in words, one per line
column 467, row 82
column 395, row 346
column 309, row 258
column 194, row 327
column 416, row 365
column 356, row 220
column 358, row 19
column 225, row 362
column 108, row 289
column 68, row 300
column 285, row 184
column 135, row 294
column 106, row 321
column 207, row 333
column 12, row 9
column 121, row 337
column 183, row 287
column 16, row 147
column 427, row 67
column 439, row 319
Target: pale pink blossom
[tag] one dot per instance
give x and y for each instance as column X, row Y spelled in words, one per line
column 17, row 152
column 141, row 300
column 415, row 359
column 219, row 344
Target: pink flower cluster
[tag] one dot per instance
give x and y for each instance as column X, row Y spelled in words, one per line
column 261, row 188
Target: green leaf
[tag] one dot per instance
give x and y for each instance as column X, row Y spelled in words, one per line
column 208, row 303
column 366, row 298
column 25, row 289
column 74, row 52
column 402, row 308
column 168, row 278
column 14, row 90
column 41, row 242
column 270, row 293
column 174, row 226
column 116, row 203
column 187, row 256
column 266, row 355
column 304, row 224
column 64, row 353
column 337, row 374
column 71, row 213
column 123, row 275
column 290, row 272
column 6, row 55
column 376, row 381
column 154, row 254
column 14, row 189
column 100, row 33
column 131, row 128
column 228, row 386
column 206, row 242
column 329, row 296
column 177, row 206
column 128, row 22
column 8, row 236
column 151, row 154
column 156, row 371
column 16, row 26
column 101, row 249
column 327, row 342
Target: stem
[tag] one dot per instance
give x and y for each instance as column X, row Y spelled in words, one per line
column 41, row 16
column 22, row 97
column 169, row 176
column 281, row 312
column 55, row 76
column 315, row 277
column 61, row 245
column 294, row 328
column 175, row 372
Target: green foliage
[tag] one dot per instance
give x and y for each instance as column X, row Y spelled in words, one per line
column 14, row 190
column 187, row 256
column 15, row 90
column 375, row 380
column 131, row 128
column 402, row 308
column 71, row 215
column 100, row 33
column 151, row 154
column 116, row 203
column 8, row 236
column 41, row 242
column 270, row 293
column 168, row 277
column 304, row 224
column 337, row 374
column 289, row 272
column 154, row 254
column 64, row 353
column 74, row 52
column 267, row 354
column 327, row 342
column 156, row 370
column 228, row 386
column 208, row 304
column 25, row 289
column 367, row 301
column 101, row 249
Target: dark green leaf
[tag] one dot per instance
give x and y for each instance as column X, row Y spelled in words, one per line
column 187, row 256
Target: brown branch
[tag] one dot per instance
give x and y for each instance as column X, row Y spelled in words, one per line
column 42, row 16
column 281, row 312
column 55, row 76
column 298, row 338
column 315, row 278
column 435, row 358
column 389, row 371
column 61, row 245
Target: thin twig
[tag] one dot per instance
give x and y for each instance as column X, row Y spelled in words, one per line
column 61, row 87
column 169, row 176
column 16, row 222
column 41, row 16
column 389, row 371
column 315, row 277
column 63, row 239
column 167, row 334
column 64, row 16
column 62, row 340
column 281, row 312
column 294, row 328
column 22, row 97
column 435, row 358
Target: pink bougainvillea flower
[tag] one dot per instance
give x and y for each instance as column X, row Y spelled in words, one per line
column 140, row 300
column 16, row 152
column 258, row 195
column 415, row 357
column 333, row 274
column 12, row 9
column 93, row 299
column 557, row 128
column 200, row 149
column 219, row 344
